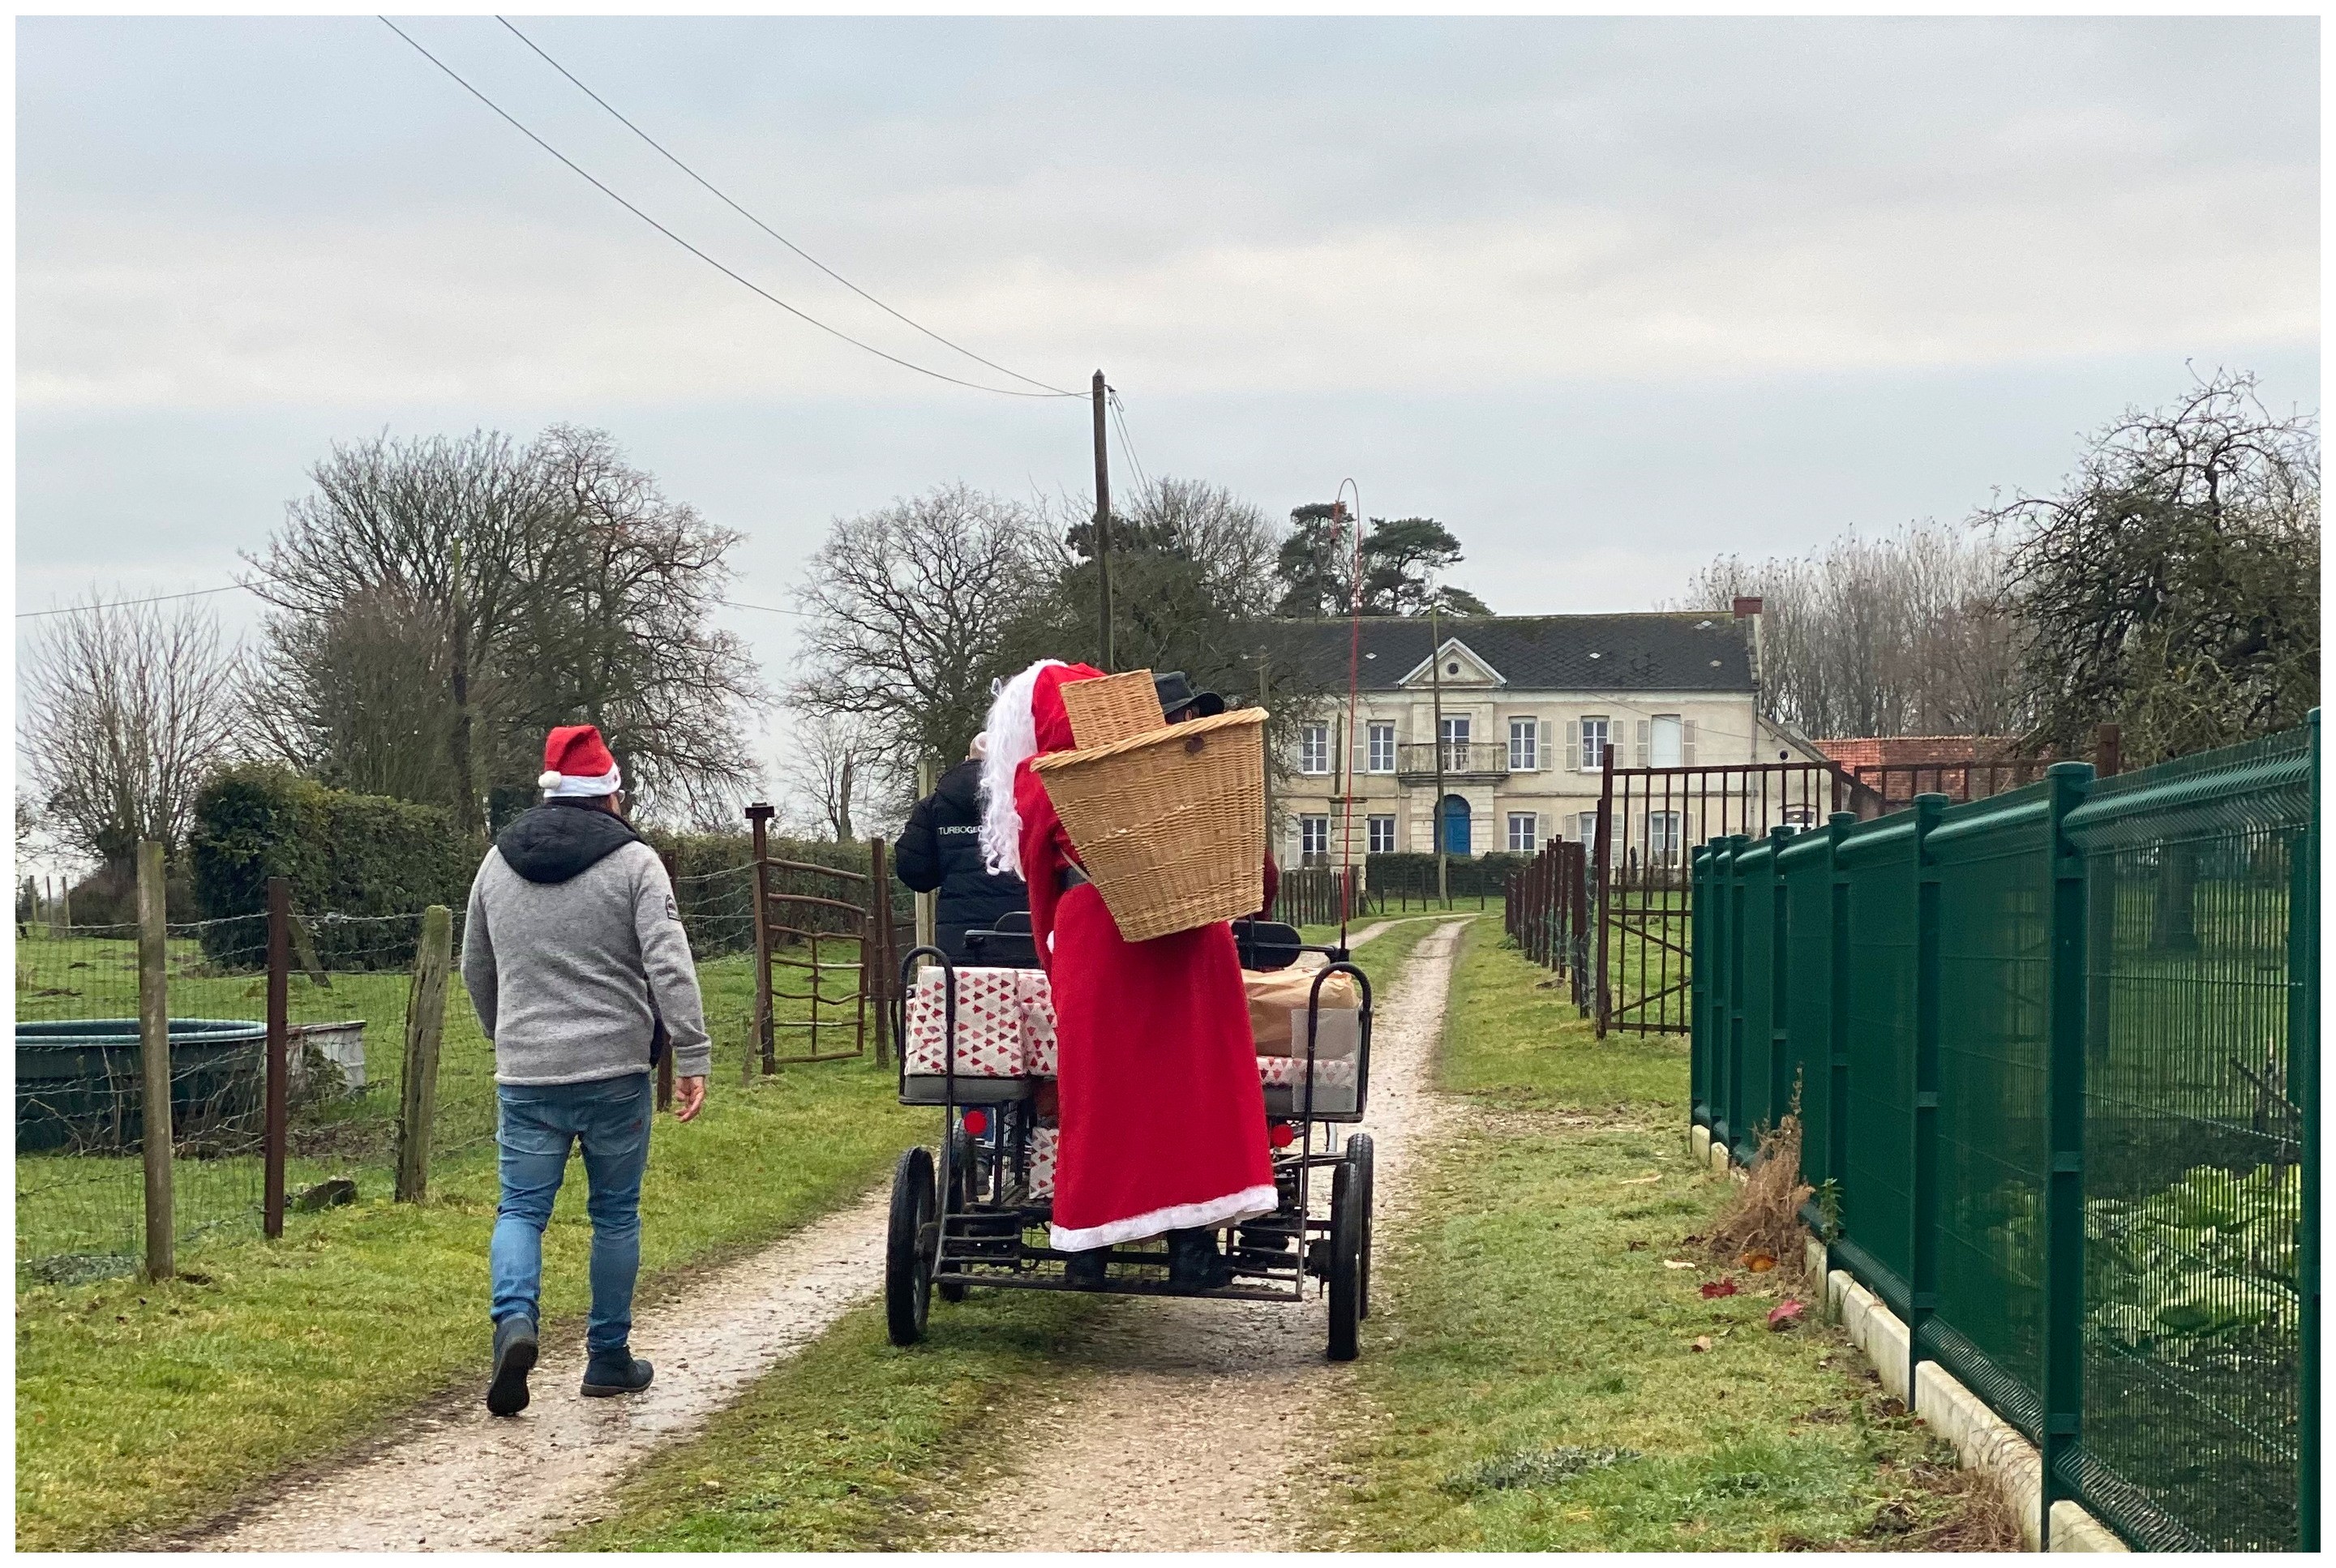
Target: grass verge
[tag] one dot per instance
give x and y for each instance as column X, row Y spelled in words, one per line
column 1548, row 1379
column 141, row 1407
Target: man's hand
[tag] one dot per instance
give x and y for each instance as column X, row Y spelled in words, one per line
column 688, row 1098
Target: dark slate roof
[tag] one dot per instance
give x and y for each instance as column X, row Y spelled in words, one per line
column 1690, row 650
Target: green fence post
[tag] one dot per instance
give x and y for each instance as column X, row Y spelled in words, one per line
column 2064, row 1114
column 1780, row 1088
column 2303, row 1065
column 1698, row 1042
column 1922, row 1293
column 1836, row 1167
column 1735, row 917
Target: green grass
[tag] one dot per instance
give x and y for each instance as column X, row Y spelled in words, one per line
column 854, row 1445
column 1534, row 1363
column 140, row 1407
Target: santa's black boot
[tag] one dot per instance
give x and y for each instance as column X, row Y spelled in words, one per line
column 1083, row 1271
column 1194, row 1263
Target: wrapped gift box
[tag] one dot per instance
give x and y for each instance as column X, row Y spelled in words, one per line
column 1290, row 1072
column 989, row 1025
column 1042, row 1162
column 1037, row 1024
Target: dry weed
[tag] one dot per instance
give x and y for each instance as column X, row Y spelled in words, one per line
column 1762, row 1217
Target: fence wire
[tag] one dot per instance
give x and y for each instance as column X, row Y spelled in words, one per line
column 1928, row 987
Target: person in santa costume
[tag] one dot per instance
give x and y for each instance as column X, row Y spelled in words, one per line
column 1163, row 1119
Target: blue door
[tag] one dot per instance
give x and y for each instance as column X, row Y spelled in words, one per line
column 1456, row 825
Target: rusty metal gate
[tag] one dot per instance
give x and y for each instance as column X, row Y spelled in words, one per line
column 1650, row 822
column 832, row 933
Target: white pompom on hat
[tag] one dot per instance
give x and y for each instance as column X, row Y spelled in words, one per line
column 577, row 765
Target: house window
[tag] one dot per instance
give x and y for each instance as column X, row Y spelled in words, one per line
column 1314, row 748
column 1524, row 744
column 1668, row 741
column 1663, row 838
column 1524, row 832
column 1382, row 751
column 1382, row 835
column 1585, row 828
column 1455, row 744
column 1313, row 839
column 1593, row 744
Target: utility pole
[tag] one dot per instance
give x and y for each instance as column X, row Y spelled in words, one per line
column 1102, row 520
column 1436, row 678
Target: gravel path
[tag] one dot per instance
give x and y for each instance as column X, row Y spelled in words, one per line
column 1192, row 1425
column 455, row 1479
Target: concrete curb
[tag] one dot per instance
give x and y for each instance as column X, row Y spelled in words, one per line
column 1981, row 1439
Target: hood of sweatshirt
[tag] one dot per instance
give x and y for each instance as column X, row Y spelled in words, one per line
column 961, row 788
column 555, row 841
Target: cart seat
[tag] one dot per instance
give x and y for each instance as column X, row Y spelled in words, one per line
column 1266, row 945
column 1008, row 945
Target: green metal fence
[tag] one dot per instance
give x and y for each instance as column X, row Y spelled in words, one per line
column 2056, row 1057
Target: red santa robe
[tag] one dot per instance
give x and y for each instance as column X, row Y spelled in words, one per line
column 1163, row 1120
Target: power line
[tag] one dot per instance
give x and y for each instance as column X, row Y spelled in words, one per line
column 1119, row 414
column 126, row 603
column 736, row 277
column 724, row 199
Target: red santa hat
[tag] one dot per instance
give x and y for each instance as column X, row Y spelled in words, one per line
column 577, row 765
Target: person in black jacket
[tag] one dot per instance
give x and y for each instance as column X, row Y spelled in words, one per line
column 941, row 851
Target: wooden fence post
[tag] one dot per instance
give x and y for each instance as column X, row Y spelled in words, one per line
column 760, row 1041
column 279, row 1035
column 425, row 1017
column 154, row 1062
column 664, row 1058
column 928, row 904
column 876, row 953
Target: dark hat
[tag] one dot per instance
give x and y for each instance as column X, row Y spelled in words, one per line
column 1176, row 694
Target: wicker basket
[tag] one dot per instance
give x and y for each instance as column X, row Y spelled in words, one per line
column 1171, row 823
column 1111, row 708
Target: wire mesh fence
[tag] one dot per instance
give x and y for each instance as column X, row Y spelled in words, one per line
column 2056, row 1057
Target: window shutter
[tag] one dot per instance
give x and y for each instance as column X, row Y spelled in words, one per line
column 1573, row 743
column 1641, row 750
column 1686, row 743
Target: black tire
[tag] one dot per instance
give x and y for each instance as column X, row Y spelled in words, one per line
column 1358, row 1153
column 961, row 1184
column 1346, row 1265
column 907, row 1264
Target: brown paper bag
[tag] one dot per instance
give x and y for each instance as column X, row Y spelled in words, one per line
column 1273, row 995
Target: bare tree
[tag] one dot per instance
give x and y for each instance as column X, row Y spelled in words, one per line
column 827, row 773
column 126, row 709
column 2172, row 584
column 909, row 608
column 443, row 602
column 1904, row 634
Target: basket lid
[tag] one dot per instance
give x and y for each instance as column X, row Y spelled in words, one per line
column 1112, row 708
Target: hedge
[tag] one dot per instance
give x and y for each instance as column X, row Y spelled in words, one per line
column 351, row 858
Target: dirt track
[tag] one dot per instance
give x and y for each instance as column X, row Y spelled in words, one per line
column 1185, row 1426
column 453, row 1478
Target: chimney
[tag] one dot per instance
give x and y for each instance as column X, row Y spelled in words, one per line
column 1748, row 608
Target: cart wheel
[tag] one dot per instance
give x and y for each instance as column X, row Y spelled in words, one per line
column 961, row 1182
column 908, row 1266
column 1359, row 1154
column 1346, row 1263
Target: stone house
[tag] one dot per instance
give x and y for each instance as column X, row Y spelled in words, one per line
column 1526, row 708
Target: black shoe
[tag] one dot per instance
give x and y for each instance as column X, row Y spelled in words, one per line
column 514, row 1359
column 1194, row 1263
column 613, row 1372
column 1084, row 1270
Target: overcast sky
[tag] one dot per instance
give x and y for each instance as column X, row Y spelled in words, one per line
column 1607, row 298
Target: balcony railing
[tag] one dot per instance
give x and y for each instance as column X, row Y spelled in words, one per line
column 1462, row 759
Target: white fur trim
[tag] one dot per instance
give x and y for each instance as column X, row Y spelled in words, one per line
column 1013, row 732
column 579, row 787
column 1246, row 1204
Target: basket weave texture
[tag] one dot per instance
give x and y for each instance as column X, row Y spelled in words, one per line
column 1112, row 708
column 1171, row 822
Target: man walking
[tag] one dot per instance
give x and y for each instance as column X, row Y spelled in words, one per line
column 575, row 958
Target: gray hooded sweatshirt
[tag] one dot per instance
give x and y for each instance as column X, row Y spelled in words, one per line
column 573, row 953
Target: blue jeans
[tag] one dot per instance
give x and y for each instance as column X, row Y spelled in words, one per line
column 611, row 1119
